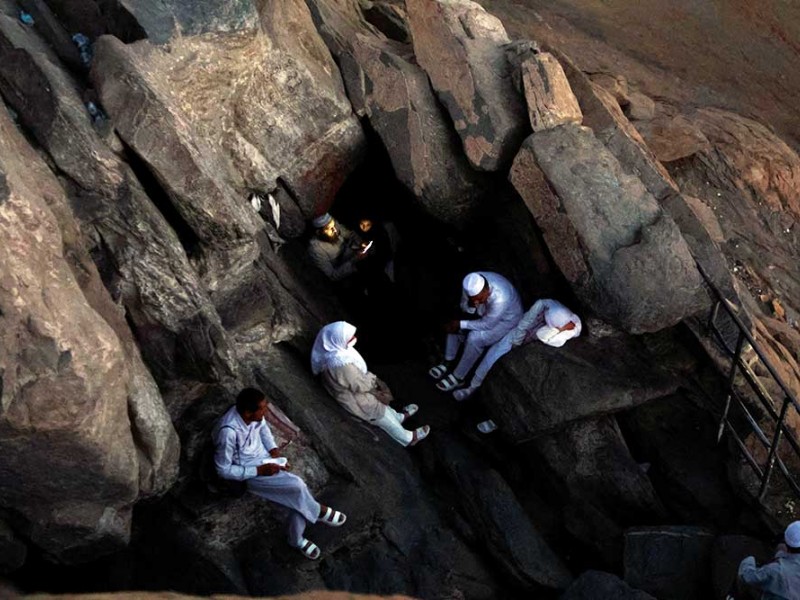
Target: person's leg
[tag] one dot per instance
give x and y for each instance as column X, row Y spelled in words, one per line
column 452, row 345
column 473, row 348
column 495, row 352
column 288, row 490
column 390, row 423
column 295, row 527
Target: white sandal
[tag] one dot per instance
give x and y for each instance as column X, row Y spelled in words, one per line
column 334, row 518
column 420, row 433
column 487, row 426
column 449, row 383
column 408, row 412
column 438, row 371
column 464, row 393
column 309, row 549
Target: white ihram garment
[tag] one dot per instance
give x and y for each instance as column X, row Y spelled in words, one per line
column 498, row 315
column 240, row 449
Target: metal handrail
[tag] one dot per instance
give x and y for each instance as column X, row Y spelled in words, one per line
column 777, row 416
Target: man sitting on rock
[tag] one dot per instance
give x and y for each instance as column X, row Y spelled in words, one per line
column 493, row 299
column 246, row 451
column 549, row 321
column 779, row 579
column 334, row 249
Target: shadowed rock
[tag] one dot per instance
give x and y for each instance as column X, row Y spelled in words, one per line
column 596, row 585
column 536, row 389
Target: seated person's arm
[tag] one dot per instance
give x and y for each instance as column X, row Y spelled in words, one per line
column 324, row 264
column 267, row 439
column 752, row 575
column 356, row 381
column 529, row 319
column 223, row 457
column 488, row 321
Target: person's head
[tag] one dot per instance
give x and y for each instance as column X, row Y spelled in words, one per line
column 365, row 225
column 477, row 289
column 792, row 537
column 251, row 404
column 325, row 227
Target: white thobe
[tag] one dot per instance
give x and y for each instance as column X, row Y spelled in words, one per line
column 533, row 325
column 240, row 449
column 498, row 315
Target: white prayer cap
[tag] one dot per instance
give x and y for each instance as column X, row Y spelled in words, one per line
column 792, row 535
column 322, row 220
column 473, row 284
column 557, row 316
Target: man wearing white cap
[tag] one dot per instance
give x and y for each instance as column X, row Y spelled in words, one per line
column 779, row 579
column 548, row 320
column 334, row 248
column 497, row 304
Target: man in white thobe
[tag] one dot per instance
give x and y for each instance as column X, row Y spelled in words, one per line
column 246, row 451
column 548, row 320
column 497, row 304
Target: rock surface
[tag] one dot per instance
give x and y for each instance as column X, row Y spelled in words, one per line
column 56, row 346
column 537, row 389
column 669, row 562
column 615, row 245
column 596, row 585
column 547, row 92
column 461, row 47
column 387, row 86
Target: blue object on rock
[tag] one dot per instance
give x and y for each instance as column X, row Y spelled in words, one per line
column 26, row 18
column 84, row 48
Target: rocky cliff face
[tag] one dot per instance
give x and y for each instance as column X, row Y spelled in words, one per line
column 141, row 286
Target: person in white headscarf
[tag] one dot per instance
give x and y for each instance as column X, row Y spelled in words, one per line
column 548, row 321
column 345, row 376
column 496, row 303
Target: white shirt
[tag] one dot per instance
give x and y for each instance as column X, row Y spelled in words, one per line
column 241, row 447
column 503, row 307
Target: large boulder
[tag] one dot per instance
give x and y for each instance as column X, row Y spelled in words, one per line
column 547, row 92
column 615, row 245
column 678, row 439
column 600, row 486
column 66, row 382
column 387, row 86
column 140, row 256
column 672, row 563
column 501, row 522
column 537, row 389
column 596, row 585
column 462, row 48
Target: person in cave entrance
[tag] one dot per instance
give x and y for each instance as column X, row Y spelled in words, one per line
column 497, row 305
column 345, row 376
column 246, row 451
column 334, row 249
column 382, row 238
column 780, row 578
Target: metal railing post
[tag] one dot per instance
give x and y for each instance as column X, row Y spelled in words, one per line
column 729, row 389
column 773, row 451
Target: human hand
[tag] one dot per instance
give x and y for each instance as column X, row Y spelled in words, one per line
column 568, row 327
column 275, row 452
column 268, row 469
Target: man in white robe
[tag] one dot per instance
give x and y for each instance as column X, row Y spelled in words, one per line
column 246, row 451
column 548, row 320
column 497, row 304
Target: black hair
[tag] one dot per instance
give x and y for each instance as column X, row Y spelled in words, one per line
column 248, row 400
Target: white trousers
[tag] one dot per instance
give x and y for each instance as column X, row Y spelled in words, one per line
column 495, row 353
column 390, row 423
column 288, row 490
column 475, row 342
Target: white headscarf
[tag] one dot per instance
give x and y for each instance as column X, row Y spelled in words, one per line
column 332, row 350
